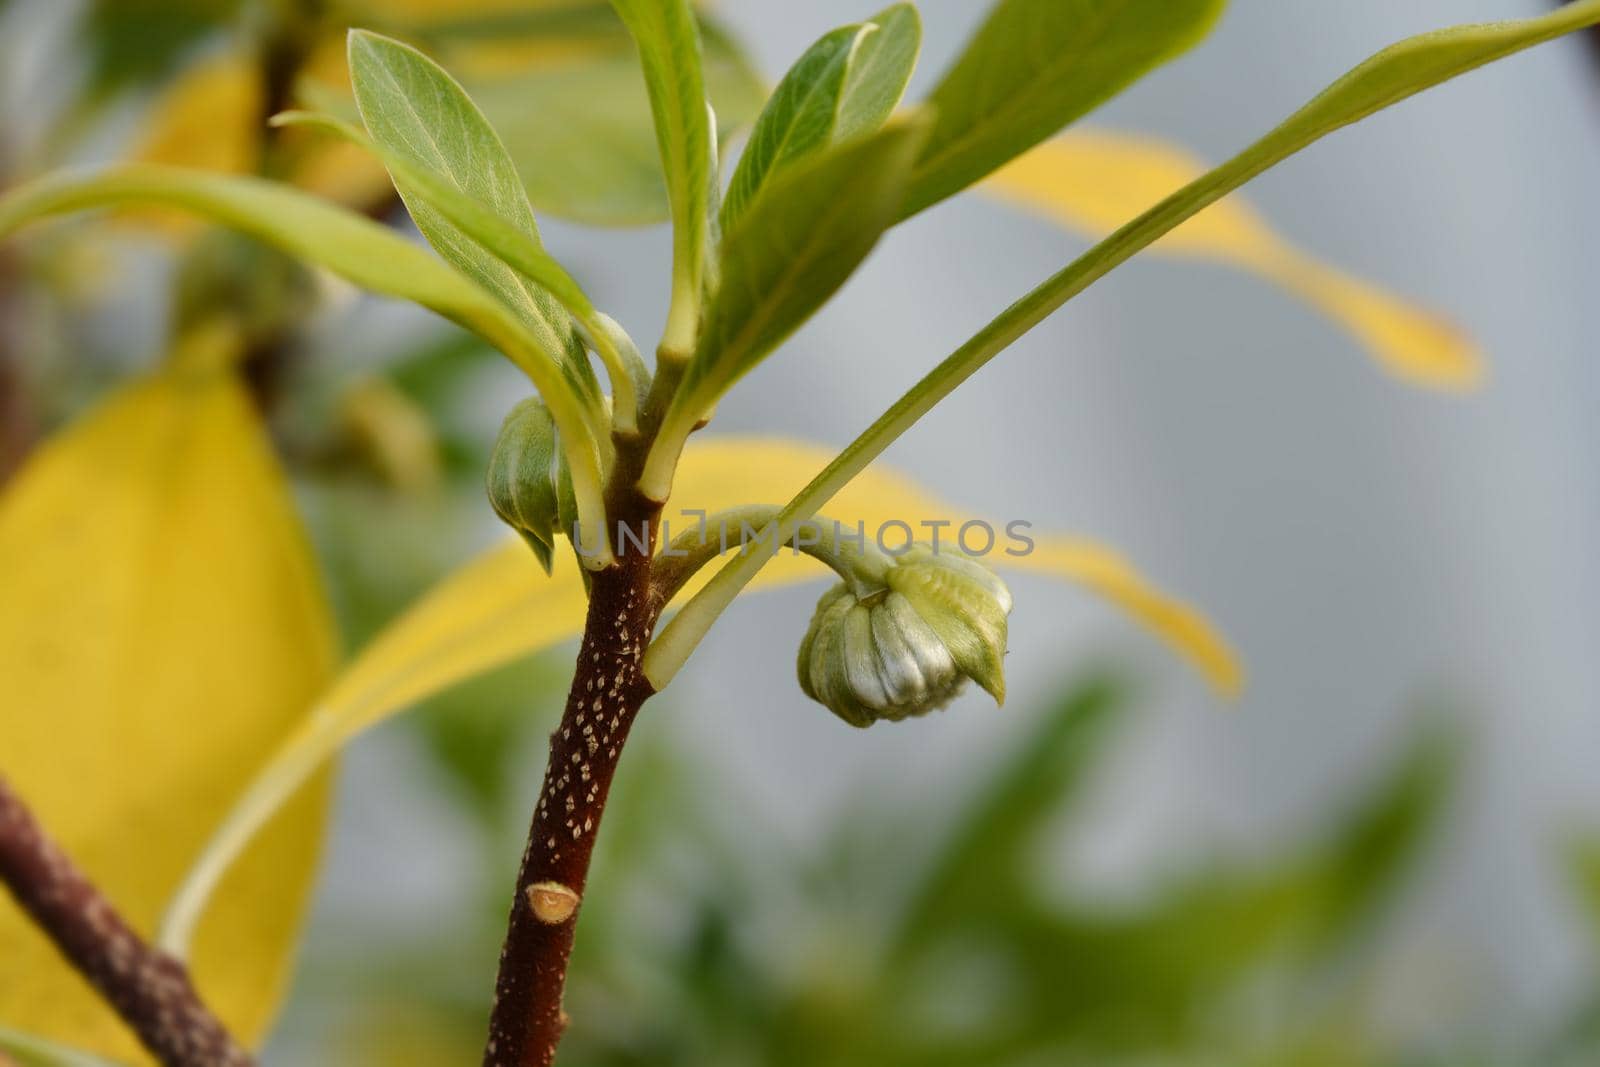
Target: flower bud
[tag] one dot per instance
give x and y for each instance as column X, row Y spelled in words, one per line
column 908, row 647
column 523, row 478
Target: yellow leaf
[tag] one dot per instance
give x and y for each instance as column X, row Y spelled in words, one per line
column 501, row 606
column 1093, row 181
column 161, row 628
column 527, row 35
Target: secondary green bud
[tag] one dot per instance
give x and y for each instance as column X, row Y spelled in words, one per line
column 908, row 646
column 524, row 477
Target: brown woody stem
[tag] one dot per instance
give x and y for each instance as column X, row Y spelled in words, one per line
column 148, row 988
column 608, row 688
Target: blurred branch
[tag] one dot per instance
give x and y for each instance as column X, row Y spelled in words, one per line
column 16, row 423
column 150, row 990
column 291, row 34
column 17, row 431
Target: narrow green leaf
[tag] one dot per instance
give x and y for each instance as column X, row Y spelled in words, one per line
column 1582, row 868
column 669, row 52
column 788, row 254
column 1397, row 72
column 509, row 247
column 1033, row 67
column 1378, row 841
column 844, row 86
column 357, row 249
column 413, row 108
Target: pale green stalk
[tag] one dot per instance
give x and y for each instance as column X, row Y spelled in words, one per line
column 863, row 567
column 669, row 53
column 31, row 1051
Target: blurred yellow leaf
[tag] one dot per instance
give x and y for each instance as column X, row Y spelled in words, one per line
column 162, row 626
column 502, row 38
column 1096, row 180
column 404, row 1034
column 501, row 606
column 424, row 11
column 209, row 117
column 212, row 117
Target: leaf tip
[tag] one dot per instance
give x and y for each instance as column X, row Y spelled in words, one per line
column 1453, row 363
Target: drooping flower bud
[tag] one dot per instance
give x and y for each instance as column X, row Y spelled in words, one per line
column 524, row 477
column 909, row 646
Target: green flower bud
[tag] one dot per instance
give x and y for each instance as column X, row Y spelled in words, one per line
column 524, row 477
column 908, row 646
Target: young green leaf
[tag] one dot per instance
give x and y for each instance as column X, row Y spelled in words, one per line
column 508, row 246
column 669, row 52
column 799, row 116
column 1397, row 72
column 879, row 71
column 788, row 254
column 1033, row 67
column 357, row 249
column 844, row 86
column 415, row 109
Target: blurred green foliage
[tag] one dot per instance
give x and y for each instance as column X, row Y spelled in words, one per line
column 914, row 937
column 134, row 42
